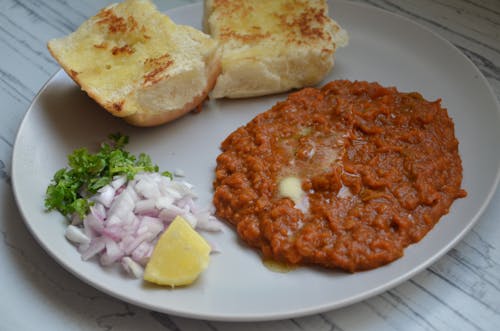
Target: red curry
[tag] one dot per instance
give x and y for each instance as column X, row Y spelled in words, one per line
column 378, row 169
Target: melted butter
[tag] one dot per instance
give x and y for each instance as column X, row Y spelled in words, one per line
column 291, row 187
column 278, row 266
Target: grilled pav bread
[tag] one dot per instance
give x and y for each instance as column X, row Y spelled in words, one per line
column 138, row 64
column 271, row 46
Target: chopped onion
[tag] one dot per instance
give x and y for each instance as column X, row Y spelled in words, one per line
column 132, row 267
column 146, row 207
column 112, row 253
column 142, row 252
column 105, row 195
column 118, row 182
column 76, row 235
column 128, row 216
column 96, row 246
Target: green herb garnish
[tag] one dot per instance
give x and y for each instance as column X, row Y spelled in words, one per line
column 71, row 187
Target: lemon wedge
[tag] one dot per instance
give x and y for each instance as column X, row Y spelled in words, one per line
column 179, row 257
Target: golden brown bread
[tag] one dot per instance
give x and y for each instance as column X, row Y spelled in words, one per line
column 138, row 64
column 271, row 46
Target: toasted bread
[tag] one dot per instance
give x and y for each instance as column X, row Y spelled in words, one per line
column 271, row 46
column 138, row 64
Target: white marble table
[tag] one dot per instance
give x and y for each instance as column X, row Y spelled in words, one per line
column 459, row 292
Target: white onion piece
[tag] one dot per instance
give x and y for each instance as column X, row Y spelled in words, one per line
column 151, row 226
column 164, row 201
column 172, row 192
column 115, row 232
column 190, row 219
column 114, row 220
column 128, row 216
column 118, row 181
column 105, row 195
column 99, row 211
column 207, row 222
column 168, row 214
column 133, row 241
column 185, row 202
column 132, row 267
column 93, row 224
column 142, row 253
column 126, row 242
column 133, row 193
column 95, row 247
column 112, row 253
column 146, row 207
column 183, row 187
column 76, row 235
column 133, row 226
column 123, row 204
column 148, row 188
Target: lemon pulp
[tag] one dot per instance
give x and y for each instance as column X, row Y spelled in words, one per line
column 179, row 257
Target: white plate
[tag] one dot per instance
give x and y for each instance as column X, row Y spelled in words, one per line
column 384, row 48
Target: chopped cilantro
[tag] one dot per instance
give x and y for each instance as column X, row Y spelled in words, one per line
column 71, row 187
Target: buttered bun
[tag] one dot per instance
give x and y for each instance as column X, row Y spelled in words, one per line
column 138, row 64
column 271, row 46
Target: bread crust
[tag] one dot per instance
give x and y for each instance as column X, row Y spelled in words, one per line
column 271, row 46
column 138, row 64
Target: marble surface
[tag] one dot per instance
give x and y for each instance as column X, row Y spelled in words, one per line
column 459, row 292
